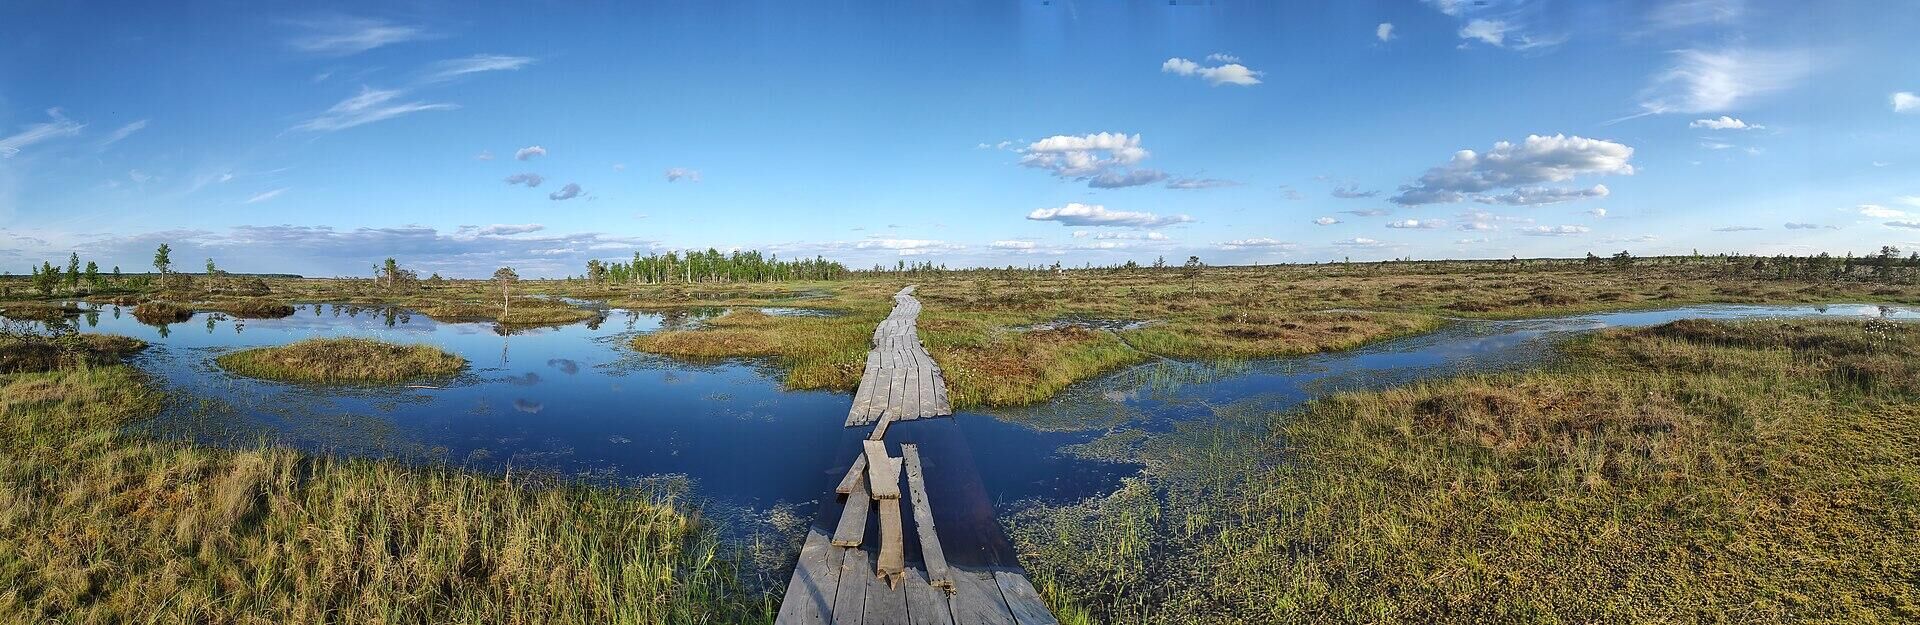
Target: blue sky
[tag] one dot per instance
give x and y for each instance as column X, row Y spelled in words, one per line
column 320, row 140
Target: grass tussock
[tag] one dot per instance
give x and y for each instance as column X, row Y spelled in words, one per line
column 99, row 526
column 255, row 308
column 1696, row 471
column 25, row 350
column 343, row 360
column 47, row 312
column 161, row 311
column 817, row 352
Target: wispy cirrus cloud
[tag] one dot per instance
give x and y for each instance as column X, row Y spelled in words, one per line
column 1201, row 183
column 1554, row 231
column 266, row 195
column 1267, row 243
column 1711, row 81
column 1077, row 214
column 123, row 132
column 56, row 126
column 370, row 105
column 676, row 174
column 450, row 69
column 341, row 35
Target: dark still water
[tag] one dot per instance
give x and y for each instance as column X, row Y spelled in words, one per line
column 576, row 401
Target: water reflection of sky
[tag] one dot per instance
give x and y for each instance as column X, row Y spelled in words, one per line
column 574, row 400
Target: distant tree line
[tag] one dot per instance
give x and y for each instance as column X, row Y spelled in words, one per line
column 713, row 266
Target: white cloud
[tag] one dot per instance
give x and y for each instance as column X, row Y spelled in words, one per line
column 530, row 179
column 1416, row 224
column 56, row 126
column 1352, row 192
column 905, row 247
column 1138, row 236
column 529, row 152
column 1684, row 13
column 1358, row 242
column 1724, row 122
column 484, row 155
column 500, row 229
column 1256, row 242
column 342, row 36
column 455, row 68
column 1228, row 74
column 1077, row 214
column 1120, row 180
column 123, row 132
column 1737, row 228
column 1538, row 196
column 572, row 190
column 371, row 105
column 1904, row 224
column 138, row 177
column 1013, row 245
column 1905, row 102
column 1554, row 231
column 1808, row 226
column 1710, row 81
column 1222, row 57
column 266, row 195
column 1384, row 31
column 1493, row 32
column 1102, row 159
column 1598, row 213
column 1537, row 159
column 1877, row 211
column 1909, row 200
column 1326, row 221
column 674, row 174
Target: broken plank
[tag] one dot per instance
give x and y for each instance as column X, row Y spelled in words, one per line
column 893, row 549
column 977, row 599
column 883, row 476
column 850, row 601
column 810, row 593
column 852, row 529
column 880, row 429
column 930, row 551
column 886, row 600
column 854, row 473
column 926, row 605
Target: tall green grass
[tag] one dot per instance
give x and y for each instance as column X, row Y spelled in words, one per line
column 98, row 525
column 336, row 360
column 1692, row 472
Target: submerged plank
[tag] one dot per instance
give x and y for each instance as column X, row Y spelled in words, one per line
column 880, row 429
column 854, row 473
column 883, row 476
column 810, row 593
column 930, row 550
column 1022, row 600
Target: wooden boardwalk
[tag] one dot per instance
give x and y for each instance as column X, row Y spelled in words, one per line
column 845, row 575
column 900, row 377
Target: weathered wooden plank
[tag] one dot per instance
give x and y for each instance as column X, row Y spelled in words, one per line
column 849, row 602
column 886, row 599
column 883, row 476
column 926, row 605
column 855, row 473
column 852, row 529
column 977, row 599
column 880, row 429
column 931, row 552
column 1022, row 600
column 929, row 384
column 893, row 547
column 810, row 592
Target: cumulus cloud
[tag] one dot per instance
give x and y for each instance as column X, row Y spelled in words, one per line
column 266, row 195
column 499, row 229
column 1384, row 31
column 1200, row 183
column 1101, row 158
column 1905, row 102
column 1737, row 228
column 455, row 68
column 530, row 179
column 572, row 190
column 56, row 126
column 1537, row 196
column 675, row 174
column 371, row 105
column 343, row 35
column 1537, row 159
column 1256, row 242
column 1077, row 214
column 1724, row 122
column 1710, row 81
column 1231, row 73
column 1416, row 224
column 1554, row 231
column 529, row 152
column 1326, row 221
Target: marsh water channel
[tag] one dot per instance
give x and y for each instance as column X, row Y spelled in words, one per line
column 577, row 401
